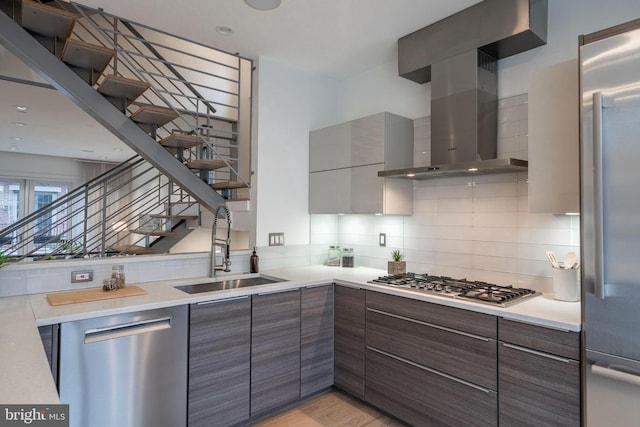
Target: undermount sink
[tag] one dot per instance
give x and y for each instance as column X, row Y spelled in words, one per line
column 228, row 284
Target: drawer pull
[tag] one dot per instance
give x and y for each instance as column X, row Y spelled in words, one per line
column 318, row 286
column 537, row 353
column 433, row 371
column 276, row 292
column 554, row 328
column 220, row 301
column 431, row 325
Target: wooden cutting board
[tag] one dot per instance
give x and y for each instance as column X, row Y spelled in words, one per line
column 93, row 294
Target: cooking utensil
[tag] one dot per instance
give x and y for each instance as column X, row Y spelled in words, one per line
column 570, row 260
column 551, row 256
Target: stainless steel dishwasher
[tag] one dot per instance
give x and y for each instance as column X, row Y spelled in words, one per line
column 126, row 369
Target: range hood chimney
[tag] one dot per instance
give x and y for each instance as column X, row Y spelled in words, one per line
column 459, row 56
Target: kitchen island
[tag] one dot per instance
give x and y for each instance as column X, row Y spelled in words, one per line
column 26, row 377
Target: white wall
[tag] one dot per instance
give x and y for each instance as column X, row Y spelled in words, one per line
column 290, row 103
column 19, row 165
column 382, row 89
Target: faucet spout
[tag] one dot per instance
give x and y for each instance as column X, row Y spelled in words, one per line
column 223, row 244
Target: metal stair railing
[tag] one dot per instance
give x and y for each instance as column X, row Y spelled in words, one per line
column 117, row 211
column 139, row 56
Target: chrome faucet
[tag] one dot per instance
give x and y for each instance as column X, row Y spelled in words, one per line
column 224, row 245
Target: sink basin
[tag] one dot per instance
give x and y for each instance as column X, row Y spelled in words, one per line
column 228, row 284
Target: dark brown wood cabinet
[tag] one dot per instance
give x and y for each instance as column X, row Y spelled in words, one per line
column 539, row 375
column 468, row 357
column 275, row 350
column 219, row 362
column 316, row 339
column 349, row 344
column 424, row 397
column 429, row 364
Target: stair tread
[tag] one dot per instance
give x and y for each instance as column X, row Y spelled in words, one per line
column 133, row 249
column 47, row 20
column 158, row 233
column 228, row 185
column 209, row 164
column 153, row 115
column 163, row 216
column 122, row 87
column 87, row 56
column 181, row 140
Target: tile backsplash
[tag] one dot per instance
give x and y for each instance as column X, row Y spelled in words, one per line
column 477, row 228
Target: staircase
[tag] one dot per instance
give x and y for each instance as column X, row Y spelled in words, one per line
column 182, row 107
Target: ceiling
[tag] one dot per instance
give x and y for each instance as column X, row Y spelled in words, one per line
column 333, row 38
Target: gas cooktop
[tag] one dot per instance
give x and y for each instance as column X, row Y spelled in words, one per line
column 482, row 292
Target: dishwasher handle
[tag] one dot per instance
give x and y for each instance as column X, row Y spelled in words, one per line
column 126, row 329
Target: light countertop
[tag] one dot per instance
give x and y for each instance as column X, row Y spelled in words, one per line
column 24, row 371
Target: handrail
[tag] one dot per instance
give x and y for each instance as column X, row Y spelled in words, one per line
column 167, row 63
column 126, row 56
column 52, row 206
column 93, row 218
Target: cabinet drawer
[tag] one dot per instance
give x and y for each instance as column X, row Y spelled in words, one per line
column 537, row 389
column 462, row 320
column 561, row 343
column 462, row 355
column 425, row 398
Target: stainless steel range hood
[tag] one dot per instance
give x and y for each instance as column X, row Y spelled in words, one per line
column 459, row 56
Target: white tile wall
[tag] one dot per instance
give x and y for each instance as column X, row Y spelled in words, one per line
column 475, row 228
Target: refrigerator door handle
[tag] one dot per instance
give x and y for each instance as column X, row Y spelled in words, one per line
column 616, row 374
column 598, row 208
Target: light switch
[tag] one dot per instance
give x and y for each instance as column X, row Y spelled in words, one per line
column 276, row 239
column 383, row 239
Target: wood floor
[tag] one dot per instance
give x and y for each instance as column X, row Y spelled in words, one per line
column 332, row 409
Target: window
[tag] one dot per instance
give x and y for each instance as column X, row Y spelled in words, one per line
column 21, row 197
column 10, row 212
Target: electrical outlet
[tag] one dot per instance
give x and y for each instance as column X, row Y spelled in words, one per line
column 382, row 240
column 82, row 276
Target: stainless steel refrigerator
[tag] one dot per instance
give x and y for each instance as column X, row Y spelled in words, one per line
column 610, row 222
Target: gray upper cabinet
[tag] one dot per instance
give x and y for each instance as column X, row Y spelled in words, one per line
column 368, row 136
column 344, row 161
column 330, row 148
column 554, row 139
column 330, row 191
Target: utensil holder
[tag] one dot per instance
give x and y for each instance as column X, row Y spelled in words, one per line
column 566, row 284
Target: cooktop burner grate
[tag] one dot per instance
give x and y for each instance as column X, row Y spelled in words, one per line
column 482, row 292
